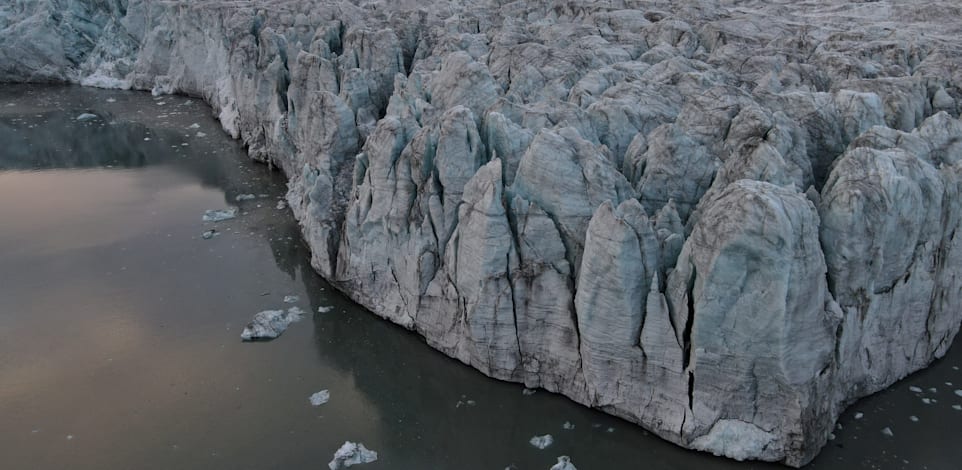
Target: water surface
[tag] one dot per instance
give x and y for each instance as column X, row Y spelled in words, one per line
column 120, row 324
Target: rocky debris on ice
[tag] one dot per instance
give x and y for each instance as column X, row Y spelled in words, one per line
column 542, row 442
column 219, row 215
column 564, row 463
column 320, row 398
column 609, row 200
column 351, row 454
column 269, row 324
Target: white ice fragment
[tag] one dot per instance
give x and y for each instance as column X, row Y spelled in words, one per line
column 295, row 310
column 290, row 299
column 320, row 398
column 859, row 415
column 567, row 426
column 542, row 442
column 200, row 134
column 325, row 309
column 933, row 390
column 958, row 393
column 69, row 437
column 957, row 407
column 564, row 463
column 351, row 454
column 244, row 197
column 610, row 429
column 528, row 391
column 887, row 431
column 217, row 215
column 86, row 117
column 111, row 100
column 915, row 389
column 207, row 235
column 281, row 205
column 146, row 139
column 269, row 324
column 194, row 126
column 914, row 419
column 831, row 436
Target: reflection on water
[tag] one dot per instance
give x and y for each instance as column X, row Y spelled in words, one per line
column 119, row 327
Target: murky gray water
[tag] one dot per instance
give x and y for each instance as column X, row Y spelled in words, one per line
column 120, row 324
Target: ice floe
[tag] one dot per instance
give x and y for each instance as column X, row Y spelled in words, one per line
column 542, row 442
column 217, row 215
column 564, row 463
column 351, row 454
column 269, row 324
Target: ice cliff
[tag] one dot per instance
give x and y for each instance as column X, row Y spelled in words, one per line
column 722, row 220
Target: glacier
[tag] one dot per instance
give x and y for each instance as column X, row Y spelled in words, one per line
column 722, row 220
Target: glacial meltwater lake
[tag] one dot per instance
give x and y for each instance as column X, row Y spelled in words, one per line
column 120, row 327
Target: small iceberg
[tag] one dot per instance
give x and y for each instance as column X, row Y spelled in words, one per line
column 269, row 324
column 887, row 431
column 86, row 117
column 351, row 454
column 217, row 215
column 320, row 398
column 564, row 463
column 542, row 442
column 290, row 299
column 567, row 426
column 281, row 205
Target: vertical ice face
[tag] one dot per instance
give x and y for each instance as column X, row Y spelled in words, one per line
column 715, row 222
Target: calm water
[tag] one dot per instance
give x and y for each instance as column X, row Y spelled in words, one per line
column 120, row 324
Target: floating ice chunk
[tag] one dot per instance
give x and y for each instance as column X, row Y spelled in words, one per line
column 859, row 415
column 325, row 309
column 194, row 126
column 610, row 430
column 915, row 389
column 528, row 392
column 87, row 117
column 200, row 134
column 958, row 393
column 69, row 437
column 957, row 407
column 933, row 390
column 281, row 205
column 542, row 442
column 217, row 215
column 564, row 463
column 320, row 398
column 111, row 100
column 914, row 419
column 927, row 401
column 290, row 299
column 295, row 311
column 351, row 454
column 887, row 431
column 567, row 426
column 244, row 197
column 210, row 234
column 269, row 324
